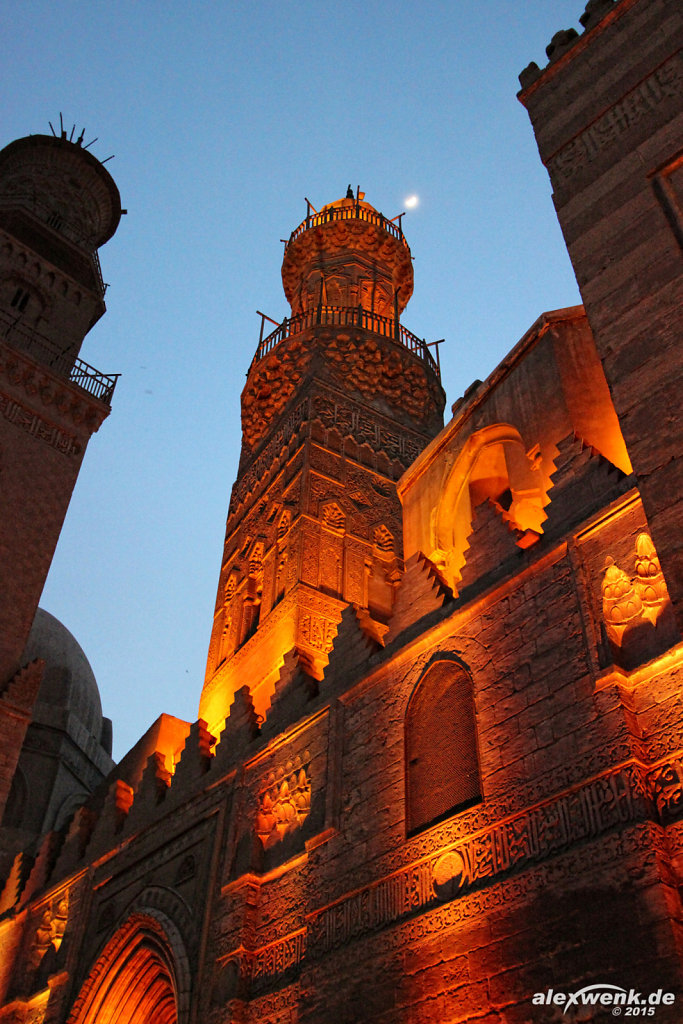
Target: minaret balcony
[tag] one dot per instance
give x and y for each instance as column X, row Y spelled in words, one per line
column 349, row 209
column 46, row 352
column 347, row 316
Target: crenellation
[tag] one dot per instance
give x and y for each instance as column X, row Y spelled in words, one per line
column 14, row 883
column 196, row 759
column 422, row 588
column 43, row 866
column 75, row 843
column 295, row 688
column 241, row 729
column 445, row 668
column 352, row 647
column 150, row 794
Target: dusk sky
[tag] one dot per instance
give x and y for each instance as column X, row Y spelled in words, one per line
column 222, row 117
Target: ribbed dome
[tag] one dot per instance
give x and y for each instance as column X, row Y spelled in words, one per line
column 69, row 682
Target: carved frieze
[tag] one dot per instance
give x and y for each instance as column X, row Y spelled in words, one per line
column 259, row 473
column 617, row 798
column 38, row 427
column 637, row 107
column 455, row 882
column 366, row 428
column 277, row 958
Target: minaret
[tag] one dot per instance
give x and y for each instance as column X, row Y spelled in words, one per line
column 57, row 205
column 339, row 400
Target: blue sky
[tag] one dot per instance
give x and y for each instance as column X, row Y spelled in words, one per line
column 222, row 117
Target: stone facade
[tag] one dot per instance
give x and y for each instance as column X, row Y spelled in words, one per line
column 609, row 131
column 465, row 803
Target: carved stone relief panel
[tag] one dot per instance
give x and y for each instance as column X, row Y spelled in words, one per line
column 332, row 563
column 327, row 462
column 284, row 523
column 309, row 558
column 333, row 517
column 355, row 557
column 284, row 800
column 629, row 615
column 317, row 631
column 47, row 936
column 637, row 612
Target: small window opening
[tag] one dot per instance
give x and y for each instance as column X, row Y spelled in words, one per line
column 20, row 300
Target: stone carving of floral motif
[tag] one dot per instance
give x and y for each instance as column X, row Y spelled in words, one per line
column 334, row 518
column 284, row 802
column 666, row 787
column 630, row 601
column 383, row 540
column 50, row 931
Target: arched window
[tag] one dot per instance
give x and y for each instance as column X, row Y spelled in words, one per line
column 442, row 767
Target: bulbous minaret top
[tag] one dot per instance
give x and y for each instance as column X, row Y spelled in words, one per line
column 347, row 273
column 348, row 255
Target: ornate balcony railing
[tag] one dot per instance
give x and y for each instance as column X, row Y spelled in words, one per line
column 44, row 351
column 347, row 316
column 354, row 211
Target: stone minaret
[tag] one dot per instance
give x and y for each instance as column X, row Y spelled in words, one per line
column 339, row 400
column 57, row 205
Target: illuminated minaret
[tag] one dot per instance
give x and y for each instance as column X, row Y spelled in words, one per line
column 339, row 400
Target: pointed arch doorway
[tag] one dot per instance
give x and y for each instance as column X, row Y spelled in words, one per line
column 140, row 977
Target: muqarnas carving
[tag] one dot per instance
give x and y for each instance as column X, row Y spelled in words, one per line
column 284, row 802
column 637, row 612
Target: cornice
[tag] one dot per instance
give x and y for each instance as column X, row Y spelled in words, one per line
column 45, row 404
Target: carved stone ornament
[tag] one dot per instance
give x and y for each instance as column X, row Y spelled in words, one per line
column 666, row 787
column 383, row 540
column 49, row 931
column 621, row 604
column 649, row 580
column 285, row 801
column 632, row 601
column 334, row 518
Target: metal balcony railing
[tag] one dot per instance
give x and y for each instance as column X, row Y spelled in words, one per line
column 46, row 352
column 347, row 316
column 354, row 211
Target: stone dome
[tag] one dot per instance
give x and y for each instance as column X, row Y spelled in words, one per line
column 69, row 687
